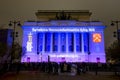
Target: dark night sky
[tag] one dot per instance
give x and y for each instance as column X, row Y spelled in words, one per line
column 23, row 10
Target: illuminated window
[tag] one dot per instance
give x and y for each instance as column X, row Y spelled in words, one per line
column 97, row 37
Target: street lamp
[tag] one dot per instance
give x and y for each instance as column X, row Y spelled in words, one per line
column 117, row 28
column 14, row 34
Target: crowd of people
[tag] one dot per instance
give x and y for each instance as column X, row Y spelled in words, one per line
column 56, row 68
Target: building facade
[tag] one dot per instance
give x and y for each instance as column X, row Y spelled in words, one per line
column 62, row 40
column 61, row 36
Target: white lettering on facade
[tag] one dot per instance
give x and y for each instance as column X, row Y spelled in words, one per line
column 63, row 29
column 29, row 43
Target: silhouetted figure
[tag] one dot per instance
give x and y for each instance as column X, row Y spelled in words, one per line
column 79, row 68
column 96, row 69
column 56, row 68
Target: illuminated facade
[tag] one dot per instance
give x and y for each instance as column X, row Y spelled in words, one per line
column 63, row 40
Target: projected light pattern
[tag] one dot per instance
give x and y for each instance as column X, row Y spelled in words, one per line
column 97, row 37
column 29, row 43
column 63, row 43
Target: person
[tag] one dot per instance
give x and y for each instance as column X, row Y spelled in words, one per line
column 65, row 67
column 79, row 68
column 96, row 69
column 83, row 67
column 73, row 69
column 56, row 68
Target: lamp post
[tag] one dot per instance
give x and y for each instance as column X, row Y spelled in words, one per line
column 14, row 34
column 117, row 28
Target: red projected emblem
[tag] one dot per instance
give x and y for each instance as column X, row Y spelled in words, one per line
column 96, row 37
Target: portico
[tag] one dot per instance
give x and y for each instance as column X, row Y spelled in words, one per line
column 63, row 40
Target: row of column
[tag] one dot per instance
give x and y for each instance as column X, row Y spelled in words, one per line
column 42, row 43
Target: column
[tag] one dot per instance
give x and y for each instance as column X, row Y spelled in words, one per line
column 51, row 43
column 43, row 47
column 59, row 45
column 74, row 42
column 66, row 42
column 34, row 43
column 82, row 41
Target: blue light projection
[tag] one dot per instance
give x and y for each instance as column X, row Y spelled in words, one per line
column 69, row 42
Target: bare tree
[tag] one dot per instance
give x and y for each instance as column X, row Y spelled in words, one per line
column 113, row 51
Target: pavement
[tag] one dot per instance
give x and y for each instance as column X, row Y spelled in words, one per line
column 36, row 75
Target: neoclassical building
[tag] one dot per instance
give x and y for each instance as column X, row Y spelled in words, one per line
column 63, row 36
